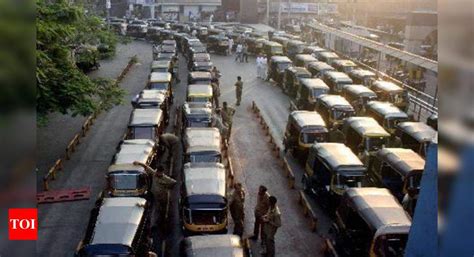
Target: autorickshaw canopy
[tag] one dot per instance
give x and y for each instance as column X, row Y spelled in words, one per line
column 307, row 119
column 344, row 63
column 320, row 66
column 335, row 101
column 361, row 73
column 118, row 220
column 405, row 161
column 305, row 58
column 386, row 86
column 338, row 156
column 160, row 64
column 199, row 90
column 200, row 75
column 280, row 59
column 202, row 139
column 379, row 209
column 387, row 109
column 419, row 131
column 132, row 150
column 214, row 246
column 160, row 77
column 314, row 83
column 149, row 96
column 367, row 126
column 338, row 77
column 205, row 179
column 145, row 117
column 359, row 90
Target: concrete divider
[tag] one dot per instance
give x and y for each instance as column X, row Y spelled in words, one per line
column 308, row 211
column 230, row 170
column 51, row 175
column 71, row 147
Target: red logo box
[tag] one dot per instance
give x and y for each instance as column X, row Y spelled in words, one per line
column 23, row 224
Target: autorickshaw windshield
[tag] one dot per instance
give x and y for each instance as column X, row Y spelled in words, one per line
column 159, row 85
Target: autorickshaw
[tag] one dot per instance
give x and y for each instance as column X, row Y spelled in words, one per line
column 291, row 79
column 334, row 109
column 318, row 69
column 125, row 179
column 271, row 48
column 202, row 145
column 388, row 91
column 202, row 66
column 151, row 99
column 336, row 80
column 200, row 77
column 294, row 47
column 386, row 114
column 343, row 65
column 330, row 169
column 204, row 198
column 166, row 34
column 255, row 45
column 197, row 49
column 302, row 60
column 218, row 44
column 327, row 57
column 302, row 130
column 169, row 42
column 137, row 28
column 118, row 226
column 313, row 50
column 358, row 96
column 199, row 93
column 196, row 115
column 203, row 33
column 293, row 29
column 215, row 31
column 364, row 135
column 214, row 246
column 363, row 77
column 153, row 34
column 162, row 81
column 198, row 57
column 276, row 68
column 416, row 136
column 119, row 26
column 161, row 66
column 283, row 41
column 308, row 91
column 168, row 49
column 397, row 169
column 146, row 124
column 370, row 222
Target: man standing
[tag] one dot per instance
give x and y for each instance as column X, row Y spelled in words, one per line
column 171, row 144
column 259, row 66
column 161, row 184
column 264, row 67
column 239, row 86
column 236, row 207
column 238, row 52
column 245, row 53
column 272, row 221
column 263, row 204
column 227, row 114
column 216, row 92
column 231, row 45
column 218, row 123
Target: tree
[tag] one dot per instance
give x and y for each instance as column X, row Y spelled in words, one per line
column 61, row 85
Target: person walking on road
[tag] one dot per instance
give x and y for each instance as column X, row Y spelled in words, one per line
column 263, row 204
column 171, row 144
column 227, row 114
column 245, row 53
column 264, row 67
column 219, row 124
column 238, row 52
column 236, row 207
column 231, row 45
column 259, row 66
column 239, row 86
column 161, row 184
column 215, row 73
column 271, row 223
column 216, row 92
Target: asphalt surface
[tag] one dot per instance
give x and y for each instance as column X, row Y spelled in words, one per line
column 62, row 225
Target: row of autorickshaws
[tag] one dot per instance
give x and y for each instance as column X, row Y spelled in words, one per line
column 369, row 177
column 120, row 223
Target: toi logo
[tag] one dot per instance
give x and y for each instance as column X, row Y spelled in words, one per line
column 22, row 224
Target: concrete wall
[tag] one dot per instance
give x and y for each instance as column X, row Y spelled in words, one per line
column 248, row 11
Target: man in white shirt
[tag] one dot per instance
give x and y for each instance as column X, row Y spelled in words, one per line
column 238, row 52
column 264, row 67
column 231, row 44
column 259, row 66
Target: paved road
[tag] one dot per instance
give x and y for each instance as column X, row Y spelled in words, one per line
column 62, row 225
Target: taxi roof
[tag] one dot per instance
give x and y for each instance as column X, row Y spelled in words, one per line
column 314, row 83
column 308, row 118
column 145, row 117
column 205, row 179
column 200, row 74
column 320, row 66
column 134, row 150
column 362, row 73
column 386, row 109
column 334, row 100
column 118, row 220
column 418, row 130
column 359, row 90
column 386, row 86
column 199, row 90
column 160, row 64
column 337, row 155
column 214, row 246
column 404, row 160
column 367, row 126
column 378, row 207
column 280, row 58
column 160, row 77
column 202, row 139
column 338, row 76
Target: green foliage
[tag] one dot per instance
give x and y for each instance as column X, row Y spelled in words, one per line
column 63, row 29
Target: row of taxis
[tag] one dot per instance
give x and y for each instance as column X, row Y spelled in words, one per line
column 120, row 223
column 368, row 177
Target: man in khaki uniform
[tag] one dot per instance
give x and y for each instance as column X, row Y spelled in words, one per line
column 227, row 114
column 272, row 221
column 236, row 207
column 263, row 204
column 216, row 92
column 336, row 135
column 238, row 90
column 172, row 145
column 161, row 184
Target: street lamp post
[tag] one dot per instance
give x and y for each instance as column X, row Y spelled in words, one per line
column 268, row 12
column 279, row 14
